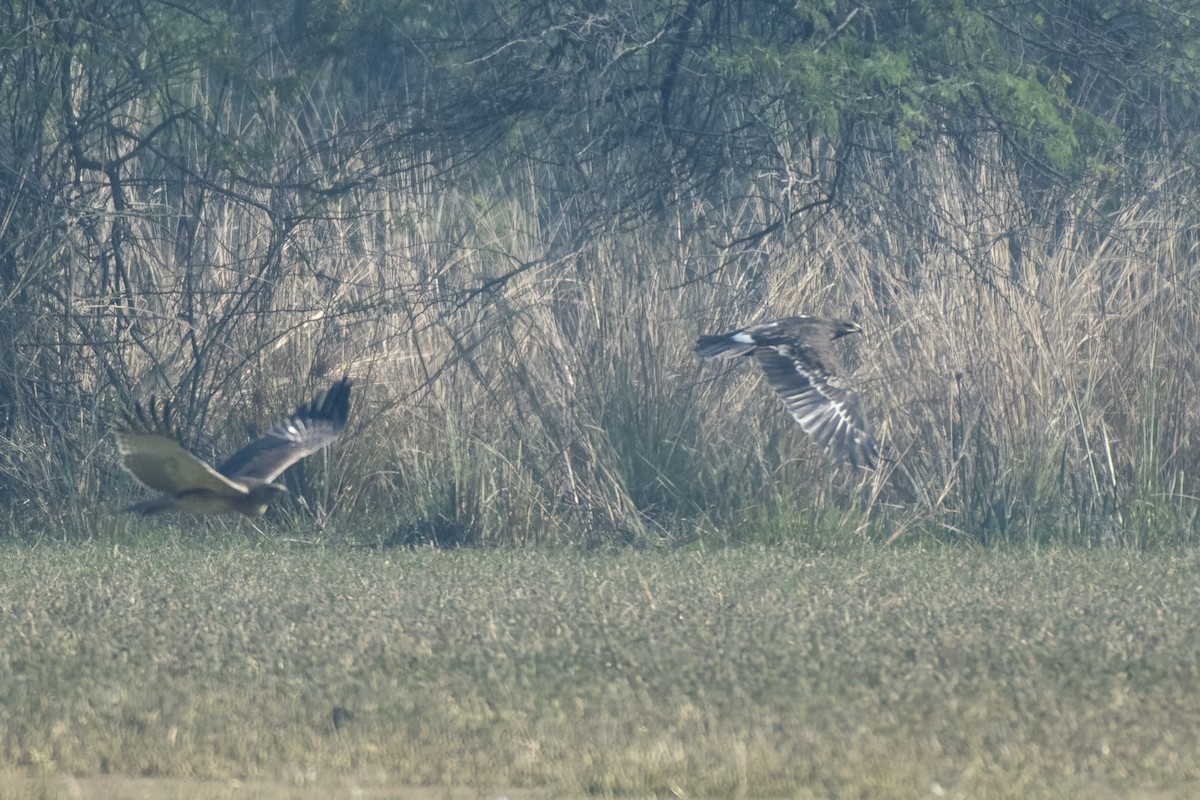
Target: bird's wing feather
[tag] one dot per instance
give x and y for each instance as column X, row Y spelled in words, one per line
column 827, row 408
column 308, row 430
column 161, row 463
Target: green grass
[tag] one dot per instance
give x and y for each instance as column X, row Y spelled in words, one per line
column 753, row 671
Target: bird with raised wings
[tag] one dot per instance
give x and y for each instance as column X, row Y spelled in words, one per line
column 244, row 483
column 797, row 356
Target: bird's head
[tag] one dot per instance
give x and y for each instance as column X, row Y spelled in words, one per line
column 845, row 328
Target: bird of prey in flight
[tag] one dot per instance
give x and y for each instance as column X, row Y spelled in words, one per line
column 797, row 356
column 244, row 483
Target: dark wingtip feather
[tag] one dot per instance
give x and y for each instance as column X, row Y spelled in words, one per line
column 153, row 416
column 332, row 404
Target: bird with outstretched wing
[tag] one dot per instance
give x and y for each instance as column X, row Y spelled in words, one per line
column 244, row 483
column 797, row 356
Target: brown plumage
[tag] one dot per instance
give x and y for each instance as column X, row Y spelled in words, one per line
column 797, row 356
column 244, row 483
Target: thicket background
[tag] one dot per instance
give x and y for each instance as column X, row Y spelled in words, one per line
column 509, row 220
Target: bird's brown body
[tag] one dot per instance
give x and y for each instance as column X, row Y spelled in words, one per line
column 253, row 503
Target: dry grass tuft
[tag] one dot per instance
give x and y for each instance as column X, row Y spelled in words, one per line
column 520, row 379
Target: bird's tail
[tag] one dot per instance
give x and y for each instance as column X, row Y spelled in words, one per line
column 724, row 345
column 147, row 507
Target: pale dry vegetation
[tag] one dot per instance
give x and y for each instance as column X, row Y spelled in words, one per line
column 261, row 203
column 507, row 222
column 1041, row 396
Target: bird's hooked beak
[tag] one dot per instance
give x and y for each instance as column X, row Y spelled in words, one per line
column 847, row 328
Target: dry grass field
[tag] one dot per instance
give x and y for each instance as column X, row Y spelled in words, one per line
column 553, row 555
column 173, row 669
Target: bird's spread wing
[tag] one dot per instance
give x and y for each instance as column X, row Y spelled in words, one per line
column 312, row 427
column 161, row 463
column 827, row 408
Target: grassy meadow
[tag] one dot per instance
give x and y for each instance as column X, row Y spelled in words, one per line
column 214, row 669
column 553, row 555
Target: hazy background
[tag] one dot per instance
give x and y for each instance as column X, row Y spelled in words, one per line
column 508, row 221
